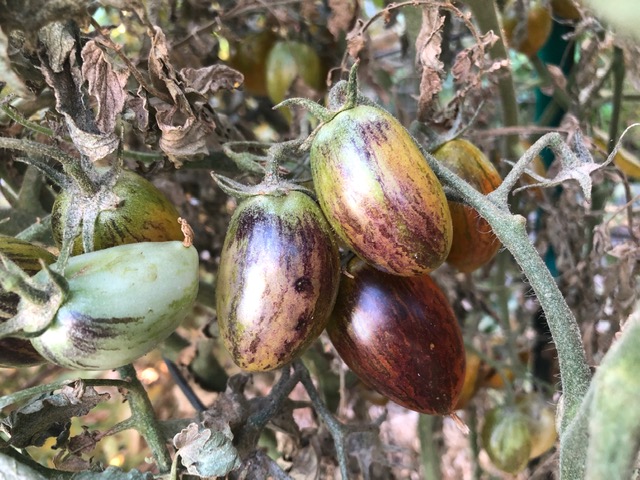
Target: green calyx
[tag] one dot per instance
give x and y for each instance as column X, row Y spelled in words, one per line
column 269, row 164
column 39, row 302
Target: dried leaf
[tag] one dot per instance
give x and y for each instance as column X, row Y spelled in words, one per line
column 163, row 75
column 106, row 84
column 71, row 463
column 64, row 76
column 470, row 66
column 206, row 452
column 578, row 167
column 182, row 136
column 138, row 109
column 428, row 49
column 356, row 40
column 208, row 80
column 48, row 415
column 343, row 13
column 9, row 77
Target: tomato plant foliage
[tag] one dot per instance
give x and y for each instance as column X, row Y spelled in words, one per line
column 173, row 244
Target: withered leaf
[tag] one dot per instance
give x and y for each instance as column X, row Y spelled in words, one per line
column 113, row 473
column 106, row 84
column 64, row 76
column 579, row 166
column 163, row 75
column 428, row 49
column 137, row 110
column 48, row 415
column 208, row 80
column 356, row 39
column 70, row 462
column 9, row 77
column 183, row 135
column 343, row 13
column 470, row 65
column 205, row 452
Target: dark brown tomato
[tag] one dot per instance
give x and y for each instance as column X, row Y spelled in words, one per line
column 17, row 352
column 144, row 214
column 378, row 192
column 249, row 56
column 400, row 336
column 277, row 281
column 474, row 243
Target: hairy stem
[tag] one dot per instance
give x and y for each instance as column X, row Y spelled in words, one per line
column 144, row 416
column 511, row 231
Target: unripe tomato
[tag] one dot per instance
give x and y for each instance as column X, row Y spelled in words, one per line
column 474, row 243
column 565, row 9
column 144, row 214
column 288, row 61
column 378, row 192
column 250, row 58
column 122, row 302
column 506, row 438
column 17, row 352
column 472, row 379
column 400, row 336
column 535, row 29
column 277, row 281
column 542, row 422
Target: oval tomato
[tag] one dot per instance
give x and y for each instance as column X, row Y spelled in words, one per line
column 527, row 35
column 287, row 61
column 400, row 336
column 143, row 214
column 506, row 438
column 542, row 422
column 474, row 243
column 379, row 194
column 277, row 281
column 249, row 57
column 122, row 302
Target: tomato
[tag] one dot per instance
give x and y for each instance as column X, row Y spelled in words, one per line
column 277, row 281
column 250, row 58
column 472, row 379
column 542, row 422
column 143, row 214
column 400, row 336
column 565, row 9
column 17, row 352
column 121, row 303
column 527, row 36
column 378, row 193
column 474, row 243
column 286, row 62
column 506, row 438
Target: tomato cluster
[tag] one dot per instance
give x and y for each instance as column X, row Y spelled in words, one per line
column 279, row 286
column 113, row 304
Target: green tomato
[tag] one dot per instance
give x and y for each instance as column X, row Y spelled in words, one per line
column 122, row 302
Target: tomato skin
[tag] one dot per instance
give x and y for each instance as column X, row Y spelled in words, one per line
column 400, row 336
column 378, row 192
column 506, row 438
column 542, row 422
column 277, row 281
column 18, row 352
column 537, row 28
column 144, row 214
column 474, row 243
column 122, row 302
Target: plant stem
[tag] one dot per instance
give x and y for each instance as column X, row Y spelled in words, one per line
column 145, row 419
column 511, row 231
column 486, row 14
column 429, row 452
